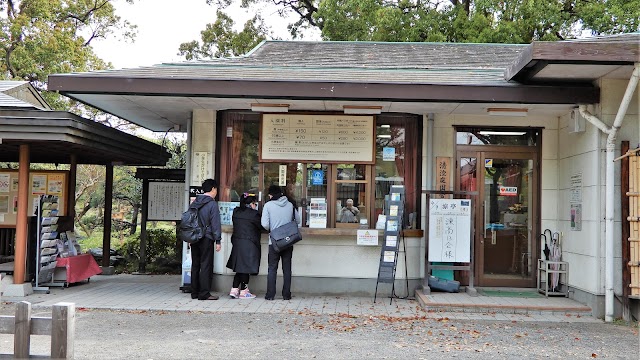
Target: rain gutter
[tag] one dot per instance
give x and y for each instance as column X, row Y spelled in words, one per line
column 610, row 184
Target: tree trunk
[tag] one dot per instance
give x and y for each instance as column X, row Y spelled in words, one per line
column 134, row 219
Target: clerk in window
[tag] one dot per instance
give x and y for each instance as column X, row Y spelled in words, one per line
column 349, row 213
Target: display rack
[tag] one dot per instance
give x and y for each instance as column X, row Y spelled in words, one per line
column 546, row 271
column 394, row 209
column 47, row 241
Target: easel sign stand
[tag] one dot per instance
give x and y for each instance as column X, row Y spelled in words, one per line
column 394, row 210
column 450, row 234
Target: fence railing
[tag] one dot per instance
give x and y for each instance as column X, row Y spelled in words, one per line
column 60, row 326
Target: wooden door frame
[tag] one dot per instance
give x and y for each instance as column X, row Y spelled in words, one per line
column 503, row 152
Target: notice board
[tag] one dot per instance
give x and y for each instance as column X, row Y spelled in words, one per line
column 51, row 182
column 450, row 230
column 166, row 201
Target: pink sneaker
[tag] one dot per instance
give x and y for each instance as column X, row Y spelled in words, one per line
column 234, row 293
column 246, row 294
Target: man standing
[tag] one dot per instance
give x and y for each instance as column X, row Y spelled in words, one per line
column 276, row 212
column 202, row 251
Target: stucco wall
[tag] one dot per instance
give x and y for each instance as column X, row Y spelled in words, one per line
column 586, row 152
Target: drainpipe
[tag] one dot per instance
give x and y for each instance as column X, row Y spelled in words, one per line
column 610, row 184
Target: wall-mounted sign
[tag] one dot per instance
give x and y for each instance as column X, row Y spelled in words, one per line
column 282, row 175
column 321, row 138
column 443, row 175
column 576, row 217
column 201, row 167
column 575, row 196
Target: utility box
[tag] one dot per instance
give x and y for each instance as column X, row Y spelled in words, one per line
column 577, row 123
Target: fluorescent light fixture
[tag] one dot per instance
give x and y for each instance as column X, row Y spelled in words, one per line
column 384, row 136
column 270, row 108
column 518, row 133
column 508, row 111
column 358, row 109
column 385, row 126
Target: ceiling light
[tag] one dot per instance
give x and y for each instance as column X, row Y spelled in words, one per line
column 270, row 108
column 384, row 136
column 508, row 111
column 518, row 133
column 358, row 109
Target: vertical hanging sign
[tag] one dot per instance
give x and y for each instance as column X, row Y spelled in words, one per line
column 443, row 175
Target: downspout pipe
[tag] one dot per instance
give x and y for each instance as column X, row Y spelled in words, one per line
column 610, row 184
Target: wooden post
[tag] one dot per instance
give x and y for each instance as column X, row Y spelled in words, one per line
column 22, row 233
column 108, row 200
column 71, row 187
column 624, row 242
column 142, row 265
column 62, row 330
column 22, row 334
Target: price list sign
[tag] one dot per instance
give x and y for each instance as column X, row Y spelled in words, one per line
column 326, row 138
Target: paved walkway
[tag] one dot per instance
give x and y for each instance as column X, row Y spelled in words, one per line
column 161, row 293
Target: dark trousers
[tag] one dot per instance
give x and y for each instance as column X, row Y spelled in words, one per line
column 201, row 268
column 274, row 259
column 240, row 281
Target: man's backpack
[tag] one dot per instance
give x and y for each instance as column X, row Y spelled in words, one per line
column 191, row 229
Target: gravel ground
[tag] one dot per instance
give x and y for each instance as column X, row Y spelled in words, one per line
column 103, row 334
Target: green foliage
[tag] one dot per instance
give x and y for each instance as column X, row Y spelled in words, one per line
column 479, row 21
column 41, row 37
column 160, row 254
column 220, row 40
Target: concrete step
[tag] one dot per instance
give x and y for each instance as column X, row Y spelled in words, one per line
column 463, row 302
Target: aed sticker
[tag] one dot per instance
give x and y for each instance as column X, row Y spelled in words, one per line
column 488, row 163
column 508, row 191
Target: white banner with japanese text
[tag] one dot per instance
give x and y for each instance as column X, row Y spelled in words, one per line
column 450, row 230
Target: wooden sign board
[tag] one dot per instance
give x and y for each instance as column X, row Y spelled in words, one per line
column 319, row 138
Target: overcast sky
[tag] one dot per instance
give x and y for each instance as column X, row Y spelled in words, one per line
column 163, row 26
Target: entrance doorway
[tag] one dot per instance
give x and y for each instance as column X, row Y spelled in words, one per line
column 506, row 221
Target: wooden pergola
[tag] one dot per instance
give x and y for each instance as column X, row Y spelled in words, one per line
column 31, row 135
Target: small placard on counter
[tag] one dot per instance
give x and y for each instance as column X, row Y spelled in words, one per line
column 368, row 237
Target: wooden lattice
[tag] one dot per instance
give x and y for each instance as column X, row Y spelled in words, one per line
column 634, row 223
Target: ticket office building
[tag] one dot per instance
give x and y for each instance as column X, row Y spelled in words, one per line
column 498, row 120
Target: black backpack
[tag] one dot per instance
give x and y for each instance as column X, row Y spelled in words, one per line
column 190, row 229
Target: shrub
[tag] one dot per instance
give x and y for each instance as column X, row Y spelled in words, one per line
column 160, row 254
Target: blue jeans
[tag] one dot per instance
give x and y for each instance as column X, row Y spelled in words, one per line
column 273, row 260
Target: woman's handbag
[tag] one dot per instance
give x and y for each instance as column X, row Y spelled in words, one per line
column 283, row 237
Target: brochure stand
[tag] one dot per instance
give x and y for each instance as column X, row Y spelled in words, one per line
column 47, row 250
column 394, row 210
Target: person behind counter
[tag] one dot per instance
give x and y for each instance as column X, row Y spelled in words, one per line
column 349, row 213
column 245, row 251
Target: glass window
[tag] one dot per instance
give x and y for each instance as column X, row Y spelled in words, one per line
column 396, row 164
column 352, row 192
column 497, row 136
column 239, row 169
column 317, row 188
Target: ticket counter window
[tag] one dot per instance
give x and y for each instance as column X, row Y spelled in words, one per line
column 352, row 185
column 328, row 190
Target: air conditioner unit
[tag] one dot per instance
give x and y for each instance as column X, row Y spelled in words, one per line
column 577, row 123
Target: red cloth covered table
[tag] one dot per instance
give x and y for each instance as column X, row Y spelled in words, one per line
column 78, row 268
